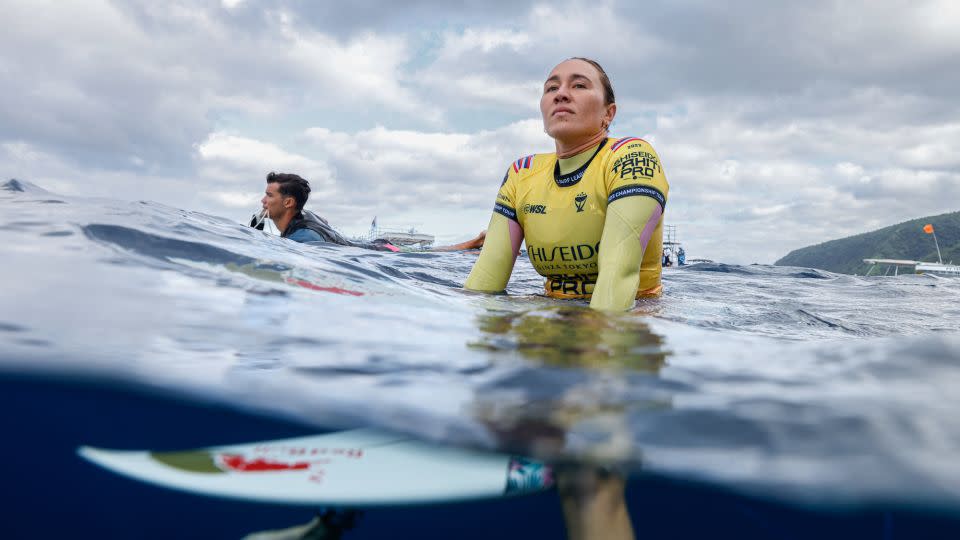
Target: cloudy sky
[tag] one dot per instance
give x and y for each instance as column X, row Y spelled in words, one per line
column 779, row 124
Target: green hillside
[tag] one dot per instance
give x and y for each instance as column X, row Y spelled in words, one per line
column 902, row 241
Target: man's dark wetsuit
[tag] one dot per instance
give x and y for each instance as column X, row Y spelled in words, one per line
column 309, row 227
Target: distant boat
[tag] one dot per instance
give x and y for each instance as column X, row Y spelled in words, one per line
column 399, row 237
column 673, row 252
column 938, row 269
column 405, row 238
column 919, row 267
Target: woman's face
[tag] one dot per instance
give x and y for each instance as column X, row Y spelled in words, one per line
column 573, row 102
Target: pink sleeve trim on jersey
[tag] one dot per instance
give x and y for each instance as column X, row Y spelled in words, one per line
column 516, row 236
column 650, row 227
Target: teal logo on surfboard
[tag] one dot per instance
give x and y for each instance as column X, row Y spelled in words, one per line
column 526, row 475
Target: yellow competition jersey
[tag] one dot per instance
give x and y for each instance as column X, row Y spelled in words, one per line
column 562, row 216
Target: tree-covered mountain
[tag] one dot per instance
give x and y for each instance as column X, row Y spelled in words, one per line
column 902, row 241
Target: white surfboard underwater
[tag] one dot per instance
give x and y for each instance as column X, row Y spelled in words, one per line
column 355, row 468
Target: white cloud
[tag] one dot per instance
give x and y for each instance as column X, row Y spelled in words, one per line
column 365, row 69
column 849, row 170
column 234, row 199
column 767, row 211
column 244, row 152
column 937, row 148
column 383, row 170
column 232, row 4
column 233, row 171
column 107, row 81
column 457, row 44
column 486, row 89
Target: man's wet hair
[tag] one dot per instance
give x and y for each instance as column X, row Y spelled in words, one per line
column 291, row 185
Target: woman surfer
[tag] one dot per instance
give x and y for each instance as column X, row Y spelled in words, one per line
column 591, row 213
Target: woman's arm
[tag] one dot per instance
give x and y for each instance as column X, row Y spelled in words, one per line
column 474, row 243
column 636, row 197
column 627, row 230
column 493, row 268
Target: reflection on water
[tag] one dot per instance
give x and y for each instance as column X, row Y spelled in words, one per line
column 563, row 404
column 575, row 337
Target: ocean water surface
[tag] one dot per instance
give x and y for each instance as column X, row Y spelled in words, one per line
column 794, row 386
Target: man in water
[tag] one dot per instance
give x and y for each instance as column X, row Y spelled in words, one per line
column 283, row 202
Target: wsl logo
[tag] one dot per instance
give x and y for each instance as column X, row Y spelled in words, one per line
column 534, row 209
column 580, row 199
